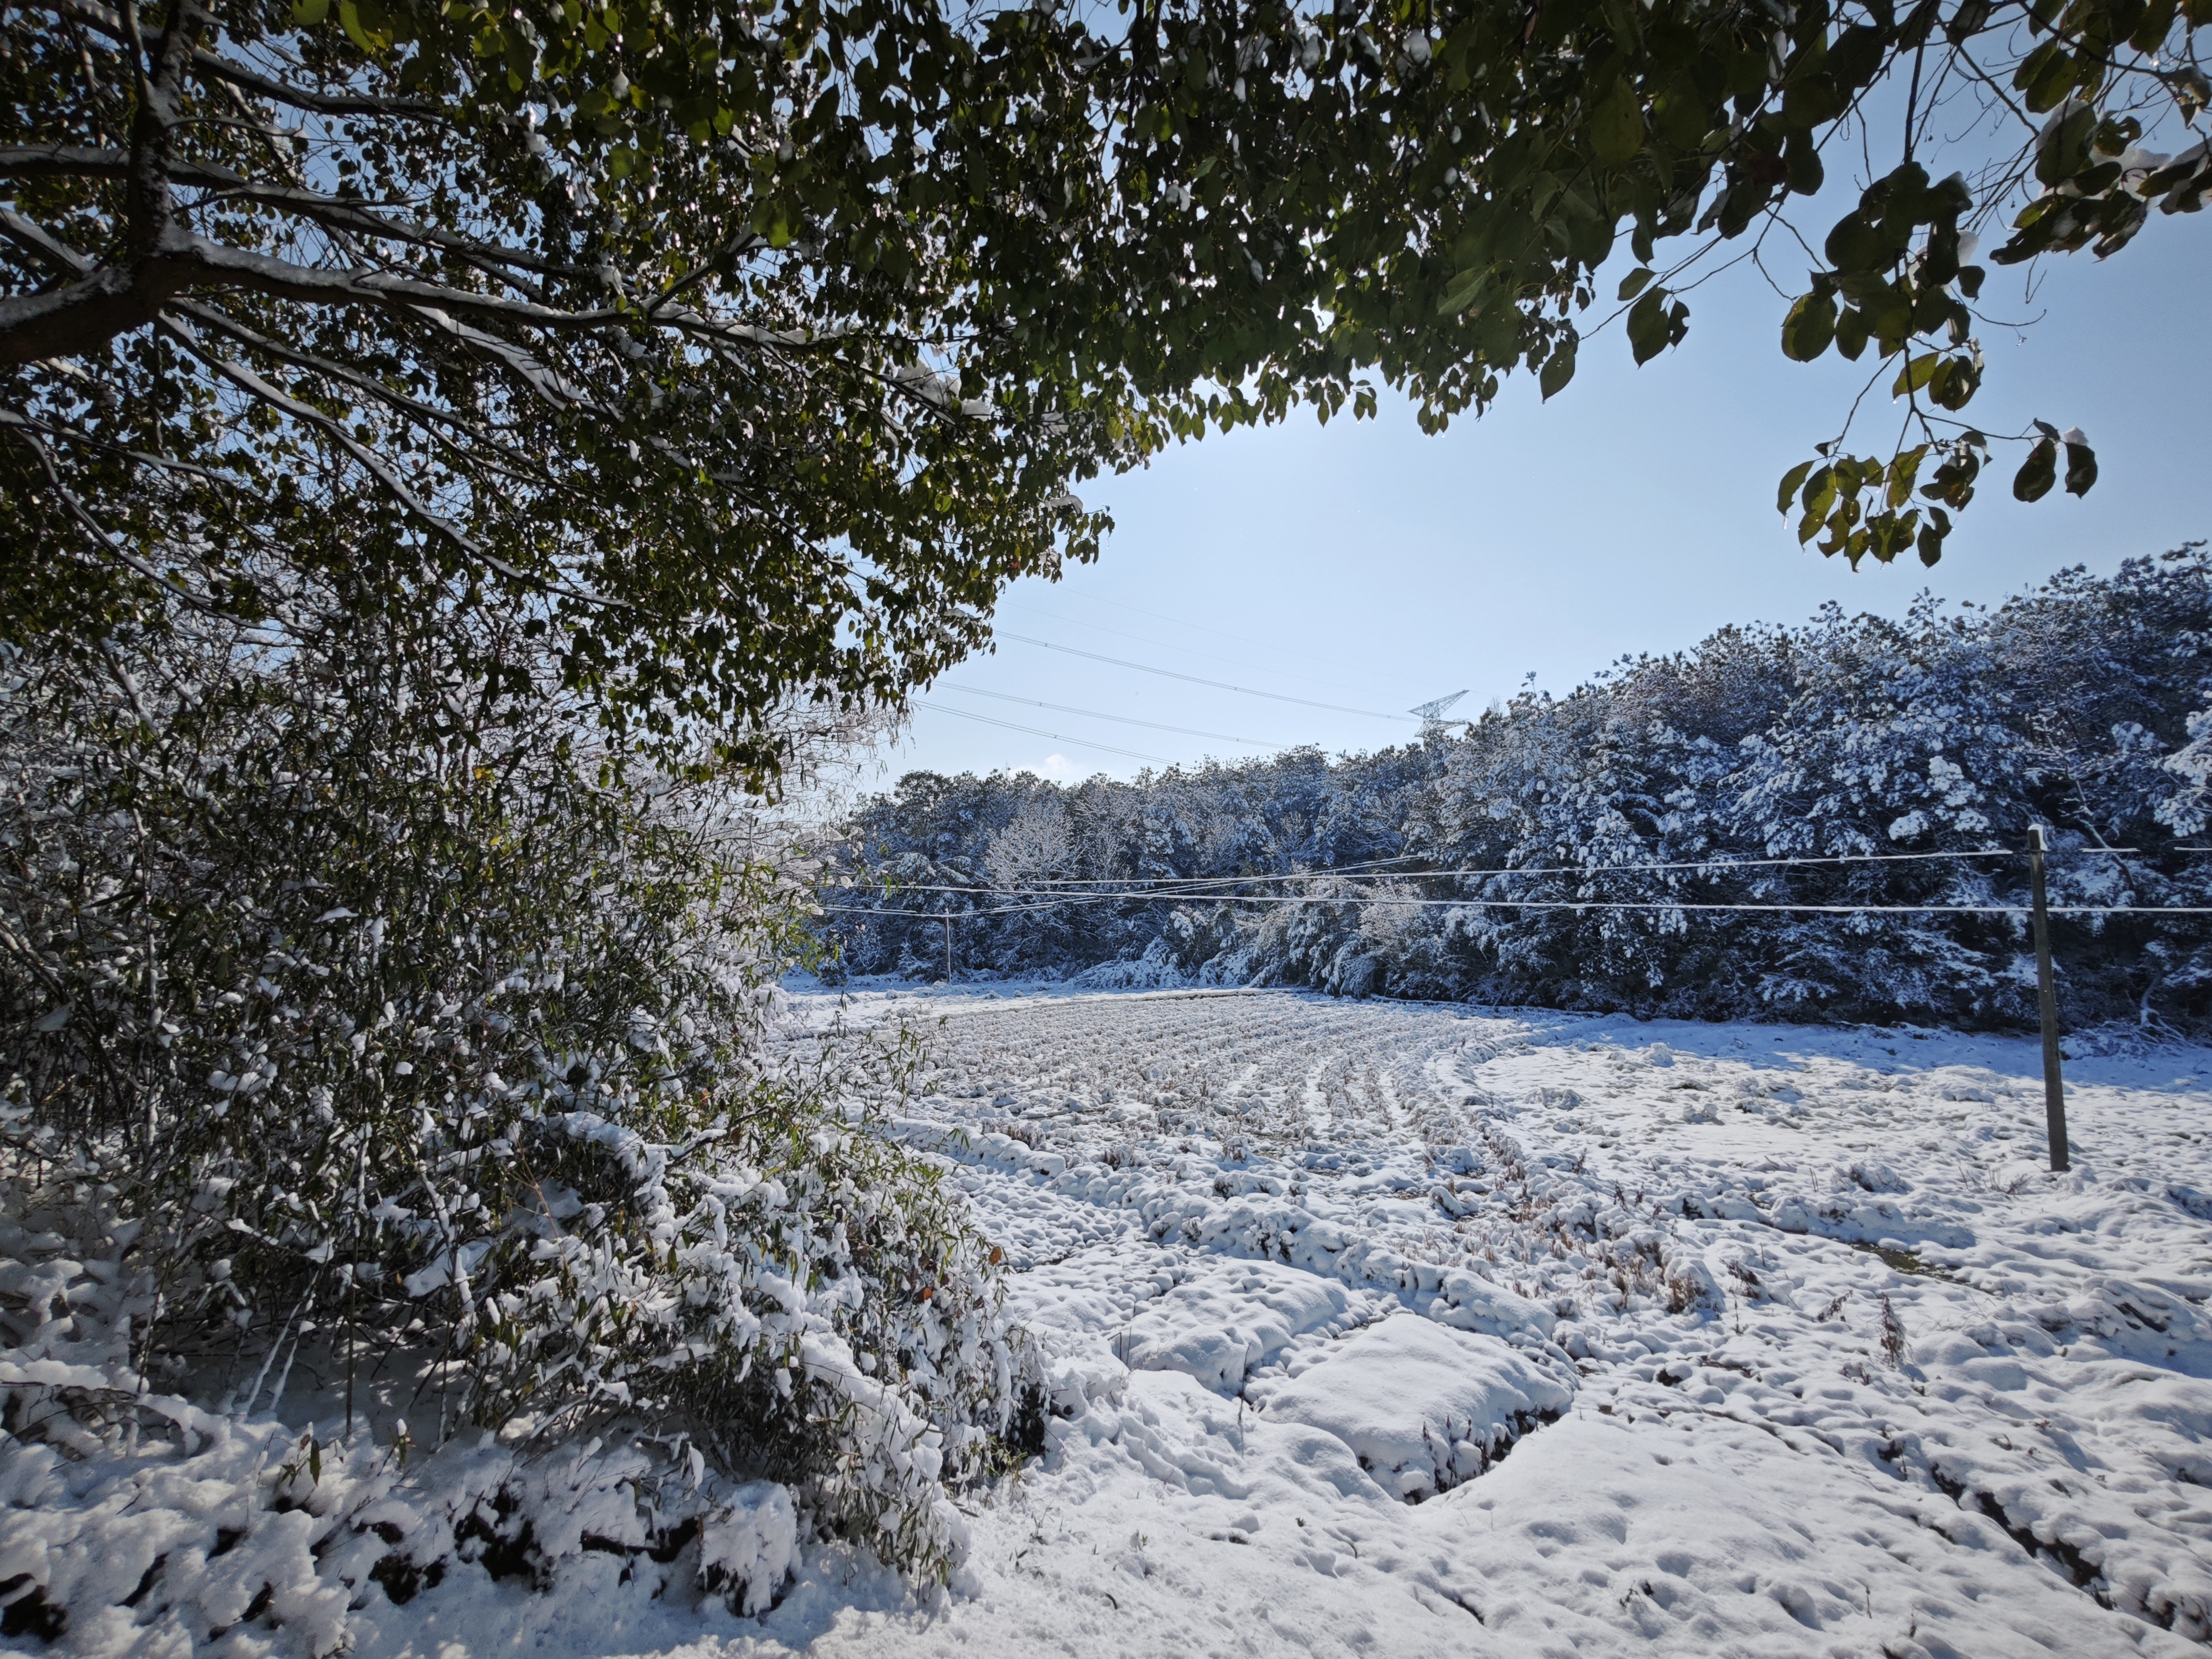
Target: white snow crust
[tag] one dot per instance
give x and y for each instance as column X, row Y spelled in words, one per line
column 1420, row 1405
column 1379, row 1329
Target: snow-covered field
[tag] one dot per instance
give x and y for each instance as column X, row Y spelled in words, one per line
column 1388, row 1329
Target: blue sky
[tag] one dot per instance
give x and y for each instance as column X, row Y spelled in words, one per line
column 1366, row 565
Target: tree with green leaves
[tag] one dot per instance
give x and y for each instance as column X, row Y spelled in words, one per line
column 748, row 349
column 440, row 444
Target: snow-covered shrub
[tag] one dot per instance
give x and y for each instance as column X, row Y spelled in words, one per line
column 410, row 1043
column 134, row 1521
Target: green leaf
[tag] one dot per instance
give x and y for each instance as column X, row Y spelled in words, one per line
column 1903, row 467
column 1851, row 332
column 1802, row 158
column 1589, row 233
column 2046, row 75
column 2150, row 30
column 1820, row 493
column 1679, row 116
column 1466, row 289
column 1558, row 369
column 1914, row 374
column 1809, row 326
column 1856, row 54
column 1857, row 244
column 1956, row 381
column 1634, row 282
column 1791, row 481
column 349, row 21
column 2081, row 464
column 308, row 13
column 1616, row 124
column 1648, row 326
column 2038, row 473
column 2063, row 150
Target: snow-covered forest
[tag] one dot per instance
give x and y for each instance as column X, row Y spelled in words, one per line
column 2081, row 706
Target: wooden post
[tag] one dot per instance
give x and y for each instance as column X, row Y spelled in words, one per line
column 2054, row 1087
column 948, row 947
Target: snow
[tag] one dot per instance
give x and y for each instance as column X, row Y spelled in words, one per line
column 1422, row 1407
column 1221, row 1325
column 1370, row 1329
column 747, row 1544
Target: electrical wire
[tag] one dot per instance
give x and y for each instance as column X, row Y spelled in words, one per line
column 1093, row 714
column 1040, row 898
column 1218, row 685
column 1580, row 904
column 1169, row 644
column 1155, row 615
column 1175, row 886
column 1216, row 881
column 1038, row 731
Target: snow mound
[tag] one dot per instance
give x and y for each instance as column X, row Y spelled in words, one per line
column 745, row 1548
column 1423, row 1407
column 1155, row 970
column 1225, row 1323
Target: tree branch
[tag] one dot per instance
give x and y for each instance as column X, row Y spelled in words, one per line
column 35, row 241
column 81, row 316
column 29, row 435
column 398, row 402
column 150, row 210
column 85, row 161
column 215, row 66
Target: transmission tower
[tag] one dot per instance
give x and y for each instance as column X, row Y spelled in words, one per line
column 1433, row 723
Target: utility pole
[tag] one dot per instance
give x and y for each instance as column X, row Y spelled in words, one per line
column 2054, row 1088
column 948, row 946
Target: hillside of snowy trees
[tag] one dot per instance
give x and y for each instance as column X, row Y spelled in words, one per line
column 2085, row 705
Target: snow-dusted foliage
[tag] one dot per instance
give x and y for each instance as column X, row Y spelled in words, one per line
column 373, row 1046
column 2079, row 706
column 137, row 1521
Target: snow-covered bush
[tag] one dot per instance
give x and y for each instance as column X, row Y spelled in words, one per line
column 409, row 1043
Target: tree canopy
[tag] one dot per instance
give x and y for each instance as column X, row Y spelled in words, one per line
column 746, row 351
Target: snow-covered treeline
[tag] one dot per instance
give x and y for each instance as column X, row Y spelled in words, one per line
column 2085, row 705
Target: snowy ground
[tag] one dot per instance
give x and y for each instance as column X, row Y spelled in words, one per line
column 1383, row 1328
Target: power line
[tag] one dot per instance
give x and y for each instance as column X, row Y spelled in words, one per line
column 1156, row 615
column 1168, row 645
column 1218, row 685
column 1038, row 731
column 1093, row 714
column 1178, row 886
column 1206, row 881
column 1045, row 898
column 1053, row 903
